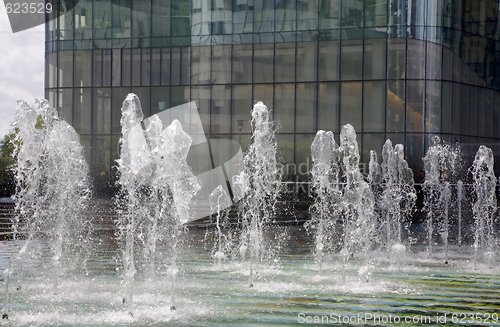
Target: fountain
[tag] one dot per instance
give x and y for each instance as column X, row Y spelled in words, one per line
column 160, row 267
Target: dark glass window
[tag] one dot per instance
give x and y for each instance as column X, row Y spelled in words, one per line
column 395, row 106
column 352, row 60
column 415, row 95
column 351, row 99
column 221, row 64
column 221, row 109
column 328, row 107
column 284, row 105
column 242, row 63
column 329, row 60
column 307, row 61
column 285, row 62
column 201, row 58
column 101, row 111
column 374, row 106
column 263, row 63
column 375, row 58
column 306, row 108
column 65, row 69
column 83, row 110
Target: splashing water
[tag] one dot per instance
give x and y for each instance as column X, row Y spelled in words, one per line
column 441, row 164
column 359, row 219
column 219, row 199
column 486, row 202
column 259, row 185
column 460, row 187
column 52, row 189
column 157, row 187
column 398, row 196
column 325, row 182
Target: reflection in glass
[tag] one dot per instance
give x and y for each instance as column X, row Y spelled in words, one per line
column 284, row 107
column 306, row 108
column 263, row 63
column 83, row 110
column 328, row 107
column 374, row 106
column 395, row 106
column 285, row 62
column 352, row 60
column 433, row 107
column 415, row 106
column 396, row 58
column 306, row 61
column 351, row 100
column 375, row 57
column 242, row 63
column 220, row 109
column 242, row 105
column 329, row 60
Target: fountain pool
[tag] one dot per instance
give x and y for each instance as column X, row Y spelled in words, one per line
column 287, row 291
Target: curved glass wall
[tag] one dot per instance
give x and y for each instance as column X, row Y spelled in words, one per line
column 403, row 70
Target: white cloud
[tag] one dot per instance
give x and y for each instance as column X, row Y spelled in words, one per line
column 22, row 58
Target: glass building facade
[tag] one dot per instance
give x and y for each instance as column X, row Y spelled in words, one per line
column 398, row 69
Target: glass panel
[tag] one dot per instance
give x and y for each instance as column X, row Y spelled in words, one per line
column 83, row 61
column 473, row 113
column 83, row 110
column 242, row 105
column 352, row 60
column 180, row 18
column 284, row 155
column 83, row 20
column 243, row 16
column 374, row 107
column 126, row 64
column 176, row 66
column 136, row 67
column 221, row 64
column 242, row 63
column 433, row 107
column 264, row 16
column 201, row 65
column 446, row 108
column 65, row 69
column 307, row 15
column 102, row 19
column 396, row 51
column 122, row 19
column 181, row 95
column 415, row 106
column 496, row 112
column 97, row 68
column 165, row 66
column 263, row 63
column 65, row 103
column 395, row 106
column 116, row 72
column 52, row 69
column 447, row 64
column 101, row 115
column 457, row 69
column 307, row 60
column 488, row 104
column 375, row 57
column 200, row 94
column 186, row 66
column 455, row 112
column 329, row 60
column 350, row 104
column 464, row 110
column 106, row 68
column 284, row 113
column 160, row 99
column 161, row 18
column 264, row 93
column 397, row 12
column 352, row 13
column 481, row 112
column 434, row 61
column 376, row 13
column 118, row 96
column 285, row 62
column 306, row 108
column 146, row 67
column 285, row 15
column 155, row 66
column 329, row 14
column 416, row 59
column 221, row 109
column 328, row 111
column 141, row 17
